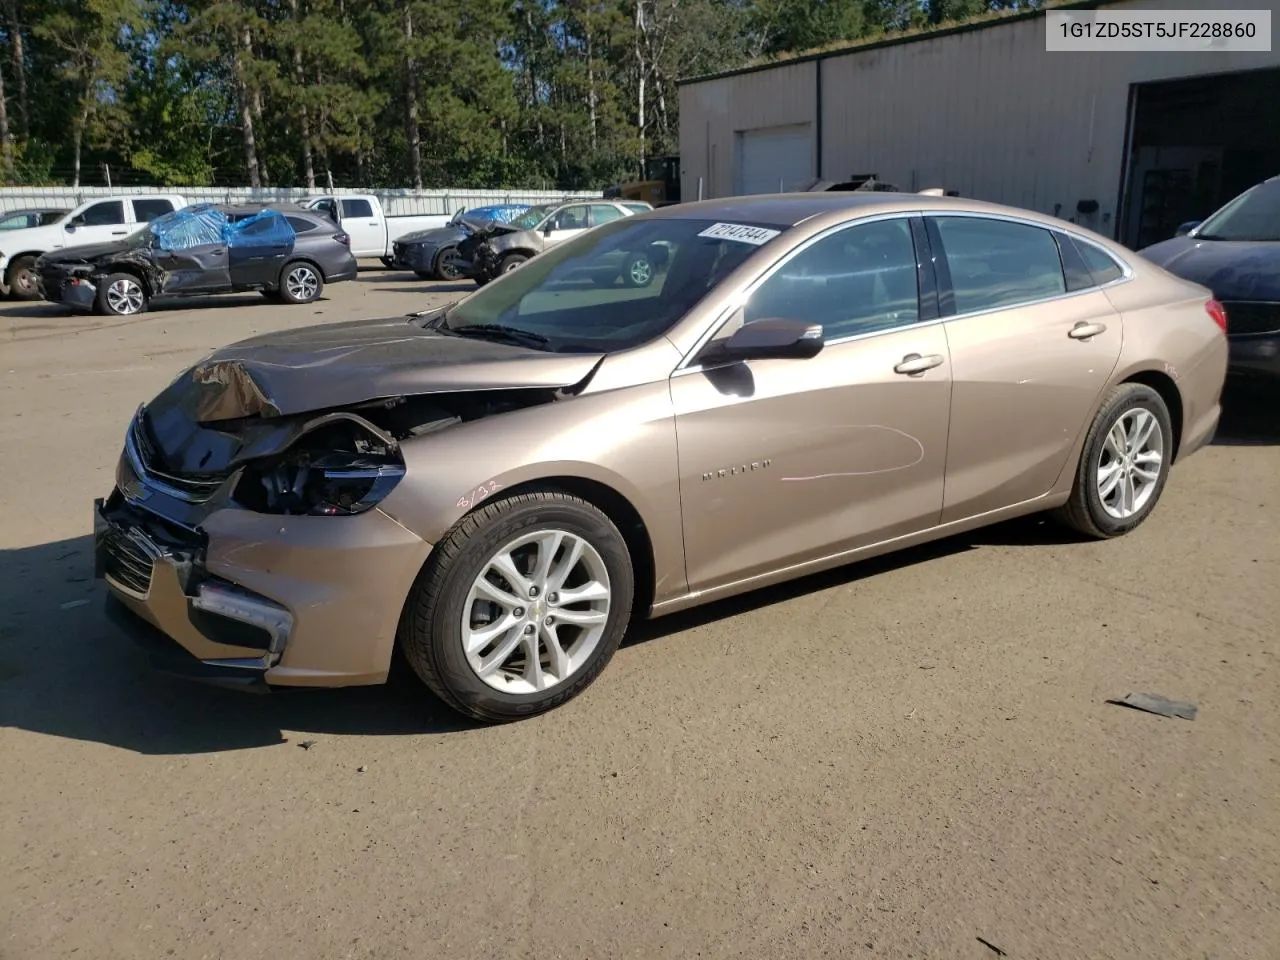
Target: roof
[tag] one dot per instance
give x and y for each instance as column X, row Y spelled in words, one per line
column 788, row 209
column 995, row 19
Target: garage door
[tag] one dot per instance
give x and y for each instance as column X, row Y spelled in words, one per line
column 774, row 155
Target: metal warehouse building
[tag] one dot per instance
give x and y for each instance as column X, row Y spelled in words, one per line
column 1128, row 144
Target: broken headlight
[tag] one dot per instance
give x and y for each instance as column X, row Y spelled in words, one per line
column 329, row 484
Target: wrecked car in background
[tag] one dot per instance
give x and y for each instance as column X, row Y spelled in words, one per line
column 431, row 254
column 497, row 248
column 287, row 253
column 493, row 487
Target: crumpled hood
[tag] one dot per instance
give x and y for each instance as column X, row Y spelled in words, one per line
column 87, row 252
column 337, row 365
column 446, row 234
column 1233, row 270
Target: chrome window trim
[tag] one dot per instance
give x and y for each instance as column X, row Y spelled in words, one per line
column 737, row 300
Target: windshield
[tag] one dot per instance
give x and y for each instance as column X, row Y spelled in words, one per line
column 1254, row 215
column 533, row 216
column 611, row 288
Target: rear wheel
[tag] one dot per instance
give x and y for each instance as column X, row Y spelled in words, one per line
column 638, row 271
column 121, row 295
column 300, row 282
column 22, row 279
column 520, row 607
column 1124, row 464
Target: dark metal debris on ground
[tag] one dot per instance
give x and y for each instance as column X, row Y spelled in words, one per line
column 1154, row 703
column 992, row 947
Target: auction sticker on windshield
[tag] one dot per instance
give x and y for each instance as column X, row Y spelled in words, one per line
column 740, row 232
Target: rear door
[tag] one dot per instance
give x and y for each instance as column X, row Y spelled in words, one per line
column 365, row 226
column 1031, row 350
column 257, row 253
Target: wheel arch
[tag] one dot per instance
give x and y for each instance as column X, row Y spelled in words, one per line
column 14, row 258
column 621, row 511
column 133, row 270
column 1163, row 384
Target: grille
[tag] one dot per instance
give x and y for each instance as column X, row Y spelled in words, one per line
column 1252, row 317
column 196, row 488
column 129, row 558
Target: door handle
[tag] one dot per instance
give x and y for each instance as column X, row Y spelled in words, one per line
column 913, row 364
column 1083, row 331
column 119, row 233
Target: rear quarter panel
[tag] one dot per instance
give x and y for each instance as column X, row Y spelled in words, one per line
column 1168, row 331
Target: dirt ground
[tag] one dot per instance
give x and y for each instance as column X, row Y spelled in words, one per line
column 891, row 760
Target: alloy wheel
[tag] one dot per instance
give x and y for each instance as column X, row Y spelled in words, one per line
column 125, row 296
column 640, row 271
column 302, row 283
column 536, row 612
column 1130, row 462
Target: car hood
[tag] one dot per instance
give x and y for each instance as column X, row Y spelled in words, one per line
column 448, row 234
column 1233, row 270
column 86, row 253
column 343, row 364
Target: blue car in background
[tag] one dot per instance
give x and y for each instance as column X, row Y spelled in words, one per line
column 432, row 254
column 1236, row 254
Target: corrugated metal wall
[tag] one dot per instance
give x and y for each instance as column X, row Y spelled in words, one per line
column 394, row 202
column 986, row 112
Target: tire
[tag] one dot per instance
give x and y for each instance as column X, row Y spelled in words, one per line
column 511, row 262
column 1129, row 409
column 121, row 295
column 300, row 282
column 638, row 271
column 446, row 264
column 432, row 632
column 481, row 281
column 22, row 279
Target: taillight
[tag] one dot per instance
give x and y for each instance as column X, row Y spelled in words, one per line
column 1218, row 313
column 343, row 238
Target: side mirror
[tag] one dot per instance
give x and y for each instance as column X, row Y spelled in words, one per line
column 774, row 338
column 73, row 223
column 1186, row 228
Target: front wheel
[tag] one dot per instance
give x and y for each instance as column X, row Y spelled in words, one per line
column 520, row 607
column 300, row 283
column 512, row 261
column 1124, row 464
column 638, row 271
column 22, row 279
column 447, row 266
column 121, row 295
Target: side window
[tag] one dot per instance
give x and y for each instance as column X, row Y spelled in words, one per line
column 357, row 208
column 858, row 280
column 147, row 210
column 104, row 214
column 1073, row 265
column 997, row 263
column 257, row 228
column 48, row 217
column 638, row 207
column 1102, row 267
column 603, row 213
column 572, row 218
column 299, row 225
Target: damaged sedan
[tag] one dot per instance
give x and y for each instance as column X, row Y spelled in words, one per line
column 499, row 488
column 287, row 254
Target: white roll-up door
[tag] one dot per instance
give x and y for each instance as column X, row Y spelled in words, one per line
column 771, row 156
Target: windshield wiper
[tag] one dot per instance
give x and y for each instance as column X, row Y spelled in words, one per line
column 498, row 331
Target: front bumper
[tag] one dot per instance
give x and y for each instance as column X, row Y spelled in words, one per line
column 255, row 599
column 78, row 293
column 418, row 257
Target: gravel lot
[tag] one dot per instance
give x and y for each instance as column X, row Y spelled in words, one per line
column 895, row 759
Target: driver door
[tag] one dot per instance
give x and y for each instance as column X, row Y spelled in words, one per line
column 102, row 222
column 783, row 462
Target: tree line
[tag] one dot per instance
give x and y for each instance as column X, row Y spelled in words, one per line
column 556, row 94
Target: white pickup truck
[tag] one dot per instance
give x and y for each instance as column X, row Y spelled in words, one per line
column 372, row 232
column 103, row 220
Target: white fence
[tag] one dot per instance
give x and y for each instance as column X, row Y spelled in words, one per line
column 395, row 202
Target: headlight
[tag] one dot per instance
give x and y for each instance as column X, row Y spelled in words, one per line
column 334, row 472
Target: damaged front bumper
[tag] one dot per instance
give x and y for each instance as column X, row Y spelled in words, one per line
column 251, row 600
column 71, row 290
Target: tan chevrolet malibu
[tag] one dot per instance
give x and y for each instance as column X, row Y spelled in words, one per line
column 500, row 487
